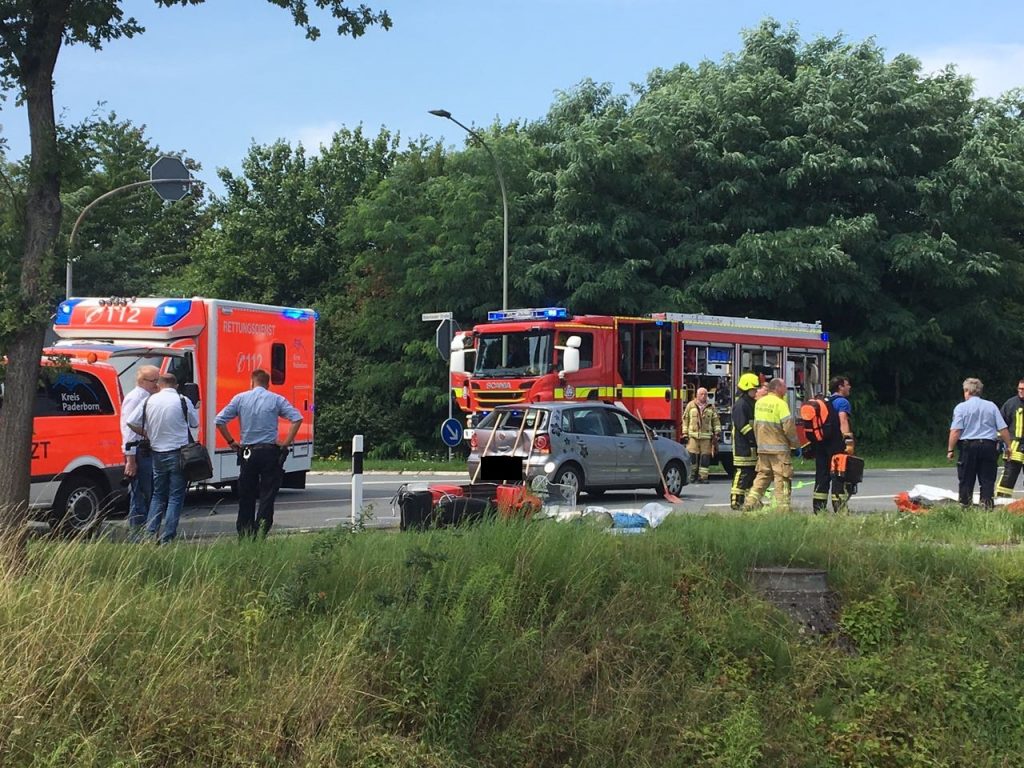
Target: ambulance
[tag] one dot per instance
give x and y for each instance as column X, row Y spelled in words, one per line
column 211, row 346
column 652, row 365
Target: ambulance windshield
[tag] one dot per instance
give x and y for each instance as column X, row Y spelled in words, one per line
column 128, row 366
column 525, row 353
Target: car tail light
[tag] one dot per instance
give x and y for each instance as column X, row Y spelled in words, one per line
column 541, row 444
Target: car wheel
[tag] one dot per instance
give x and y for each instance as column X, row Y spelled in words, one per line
column 675, row 479
column 79, row 505
column 570, row 480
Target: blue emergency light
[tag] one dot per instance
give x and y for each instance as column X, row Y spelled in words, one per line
column 171, row 311
column 300, row 314
column 824, row 336
column 64, row 311
column 532, row 313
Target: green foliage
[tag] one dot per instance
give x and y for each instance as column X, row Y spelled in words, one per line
column 801, row 181
column 514, row 644
column 132, row 244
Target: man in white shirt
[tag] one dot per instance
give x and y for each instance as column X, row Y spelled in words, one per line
column 168, row 418
column 138, row 467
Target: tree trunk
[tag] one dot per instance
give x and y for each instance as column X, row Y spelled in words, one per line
column 35, row 275
column 20, row 385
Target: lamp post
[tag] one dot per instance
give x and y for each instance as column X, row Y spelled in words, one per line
column 504, row 199
column 169, row 178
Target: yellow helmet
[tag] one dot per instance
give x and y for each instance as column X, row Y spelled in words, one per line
column 749, row 381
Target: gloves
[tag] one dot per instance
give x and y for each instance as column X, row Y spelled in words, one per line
column 849, row 444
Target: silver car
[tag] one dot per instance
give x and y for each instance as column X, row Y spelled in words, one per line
column 580, row 447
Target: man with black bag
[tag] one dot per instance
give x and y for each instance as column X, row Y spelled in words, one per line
column 165, row 419
column 262, row 453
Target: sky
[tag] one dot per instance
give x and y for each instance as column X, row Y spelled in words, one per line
column 210, row 80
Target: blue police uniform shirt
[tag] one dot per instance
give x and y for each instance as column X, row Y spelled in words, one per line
column 978, row 419
column 258, row 411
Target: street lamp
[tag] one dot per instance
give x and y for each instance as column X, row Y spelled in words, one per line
column 504, row 199
column 169, row 178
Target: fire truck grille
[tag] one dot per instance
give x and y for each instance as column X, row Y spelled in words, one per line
column 488, row 398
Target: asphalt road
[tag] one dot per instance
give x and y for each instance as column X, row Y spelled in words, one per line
column 326, row 500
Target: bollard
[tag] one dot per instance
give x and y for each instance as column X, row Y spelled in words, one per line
column 357, row 477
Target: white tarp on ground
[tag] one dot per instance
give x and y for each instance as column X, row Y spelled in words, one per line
column 929, row 495
column 650, row 515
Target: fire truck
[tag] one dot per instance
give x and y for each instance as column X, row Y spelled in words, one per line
column 211, row 346
column 652, row 365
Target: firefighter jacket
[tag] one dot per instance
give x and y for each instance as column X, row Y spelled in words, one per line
column 743, row 442
column 774, row 427
column 1013, row 414
column 703, row 423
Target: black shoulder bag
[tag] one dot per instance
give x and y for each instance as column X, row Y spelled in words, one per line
column 194, row 458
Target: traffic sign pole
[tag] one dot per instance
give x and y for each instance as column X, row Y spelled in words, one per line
column 443, row 342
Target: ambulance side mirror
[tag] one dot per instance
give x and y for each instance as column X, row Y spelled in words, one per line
column 191, row 391
column 571, row 354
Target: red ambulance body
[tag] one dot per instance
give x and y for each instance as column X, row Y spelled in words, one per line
column 212, row 347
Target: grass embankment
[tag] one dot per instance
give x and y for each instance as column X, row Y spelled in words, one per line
column 533, row 644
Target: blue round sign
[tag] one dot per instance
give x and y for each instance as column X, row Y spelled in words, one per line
column 451, row 432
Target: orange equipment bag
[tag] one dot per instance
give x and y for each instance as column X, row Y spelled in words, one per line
column 814, row 417
column 849, row 469
column 516, row 501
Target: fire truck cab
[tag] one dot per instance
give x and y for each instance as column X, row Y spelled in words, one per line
column 652, row 365
column 211, row 346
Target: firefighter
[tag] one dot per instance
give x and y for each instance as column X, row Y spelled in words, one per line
column 839, row 440
column 1013, row 415
column 775, row 434
column 703, row 426
column 744, row 446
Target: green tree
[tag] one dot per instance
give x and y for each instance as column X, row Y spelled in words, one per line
column 132, row 244
column 31, row 35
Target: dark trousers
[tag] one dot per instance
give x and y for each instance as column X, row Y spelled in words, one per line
column 745, row 462
column 1011, row 471
column 141, row 491
column 978, row 461
column 260, row 477
column 825, row 485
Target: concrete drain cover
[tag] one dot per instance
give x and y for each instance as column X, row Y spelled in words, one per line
column 800, row 593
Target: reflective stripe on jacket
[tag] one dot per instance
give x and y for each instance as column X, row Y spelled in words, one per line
column 743, row 442
column 774, row 427
column 703, row 423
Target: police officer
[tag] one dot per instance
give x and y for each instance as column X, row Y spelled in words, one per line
column 744, row 446
column 258, row 411
column 976, row 425
column 1013, row 415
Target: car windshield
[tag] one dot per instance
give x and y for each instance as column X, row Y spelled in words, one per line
column 536, row 418
column 525, row 353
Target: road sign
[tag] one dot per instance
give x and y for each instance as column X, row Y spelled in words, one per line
column 428, row 316
column 443, row 337
column 451, row 432
column 167, row 175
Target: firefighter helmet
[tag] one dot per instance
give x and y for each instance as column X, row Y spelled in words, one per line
column 749, row 381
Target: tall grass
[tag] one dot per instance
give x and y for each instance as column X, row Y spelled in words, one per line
column 533, row 644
